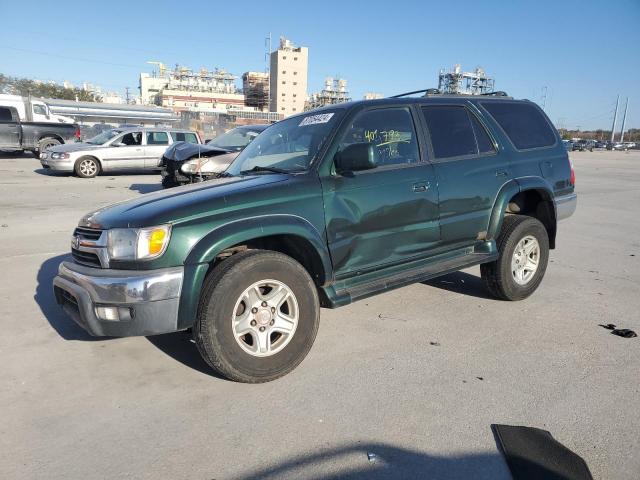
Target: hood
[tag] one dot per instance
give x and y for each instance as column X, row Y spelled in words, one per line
column 181, row 151
column 73, row 147
column 174, row 204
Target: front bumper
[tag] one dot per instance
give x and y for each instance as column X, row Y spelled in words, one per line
column 61, row 165
column 148, row 300
column 566, row 205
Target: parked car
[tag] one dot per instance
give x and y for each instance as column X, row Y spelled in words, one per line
column 619, row 146
column 190, row 163
column 600, row 145
column 115, row 149
column 568, row 145
column 582, row 145
column 322, row 209
column 33, row 136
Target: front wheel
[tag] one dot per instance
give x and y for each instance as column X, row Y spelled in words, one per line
column 523, row 246
column 87, row 167
column 258, row 316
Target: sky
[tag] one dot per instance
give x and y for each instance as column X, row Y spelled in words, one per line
column 582, row 53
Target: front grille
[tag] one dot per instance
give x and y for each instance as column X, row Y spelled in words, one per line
column 86, row 258
column 87, row 233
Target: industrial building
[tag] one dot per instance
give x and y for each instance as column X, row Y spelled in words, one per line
column 372, row 96
column 255, row 86
column 181, row 88
column 334, row 91
column 471, row 83
column 288, row 81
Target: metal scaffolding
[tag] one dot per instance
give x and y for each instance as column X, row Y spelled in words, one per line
column 470, row 83
column 334, row 91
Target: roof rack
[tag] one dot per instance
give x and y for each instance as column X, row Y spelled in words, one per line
column 434, row 91
column 428, row 91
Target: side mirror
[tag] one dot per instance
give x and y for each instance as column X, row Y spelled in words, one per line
column 118, row 144
column 356, row 157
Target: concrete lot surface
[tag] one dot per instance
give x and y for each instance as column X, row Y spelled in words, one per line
column 76, row 407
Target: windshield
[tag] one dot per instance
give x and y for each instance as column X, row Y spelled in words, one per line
column 104, row 137
column 289, row 145
column 235, row 140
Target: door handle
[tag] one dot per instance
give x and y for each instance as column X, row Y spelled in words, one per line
column 138, row 149
column 421, row 187
column 501, row 173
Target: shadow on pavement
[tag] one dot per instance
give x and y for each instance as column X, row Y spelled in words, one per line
column 146, row 187
column 383, row 461
column 44, row 297
column 463, row 283
column 180, row 347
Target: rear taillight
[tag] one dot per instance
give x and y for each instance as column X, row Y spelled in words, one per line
column 77, row 134
column 573, row 174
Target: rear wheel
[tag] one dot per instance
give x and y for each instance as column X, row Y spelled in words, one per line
column 523, row 244
column 258, row 316
column 47, row 143
column 87, row 167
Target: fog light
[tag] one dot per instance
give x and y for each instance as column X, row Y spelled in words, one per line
column 113, row 314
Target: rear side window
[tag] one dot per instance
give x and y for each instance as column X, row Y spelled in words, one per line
column 523, row 123
column 157, row 138
column 5, row 114
column 455, row 132
column 184, row 137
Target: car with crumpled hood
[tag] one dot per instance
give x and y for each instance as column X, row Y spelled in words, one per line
column 190, row 163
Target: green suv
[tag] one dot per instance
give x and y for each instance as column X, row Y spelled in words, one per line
column 322, row 209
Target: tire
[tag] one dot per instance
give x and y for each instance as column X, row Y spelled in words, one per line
column 87, row 167
column 47, row 142
column 226, row 310
column 508, row 278
column 167, row 182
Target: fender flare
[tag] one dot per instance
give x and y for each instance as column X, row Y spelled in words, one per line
column 238, row 231
column 197, row 263
column 508, row 191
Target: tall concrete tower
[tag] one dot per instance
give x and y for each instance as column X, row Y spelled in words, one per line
column 288, row 78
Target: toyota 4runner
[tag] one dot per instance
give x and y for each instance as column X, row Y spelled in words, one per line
column 322, row 209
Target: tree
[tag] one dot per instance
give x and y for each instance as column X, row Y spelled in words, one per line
column 26, row 87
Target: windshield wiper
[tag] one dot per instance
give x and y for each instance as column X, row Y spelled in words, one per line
column 224, row 175
column 259, row 168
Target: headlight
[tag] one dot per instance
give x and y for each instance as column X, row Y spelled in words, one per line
column 138, row 243
column 189, row 168
column 59, row 156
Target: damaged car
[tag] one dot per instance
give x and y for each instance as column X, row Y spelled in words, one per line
column 185, row 163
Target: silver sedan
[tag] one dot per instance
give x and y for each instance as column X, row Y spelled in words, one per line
column 116, row 149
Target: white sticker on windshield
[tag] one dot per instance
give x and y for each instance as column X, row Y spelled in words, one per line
column 314, row 119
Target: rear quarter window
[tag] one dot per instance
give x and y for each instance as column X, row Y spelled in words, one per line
column 5, row 115
column 184, row 137
column 523, row 123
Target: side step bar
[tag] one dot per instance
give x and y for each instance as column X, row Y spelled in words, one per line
column 343, row 293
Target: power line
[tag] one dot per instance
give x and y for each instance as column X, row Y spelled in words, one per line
column 66, row 57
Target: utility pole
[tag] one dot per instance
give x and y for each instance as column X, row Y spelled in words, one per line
column 127, row 94
column 624, row 119
column 544, row 98
column 267, row 69
column 615, row 117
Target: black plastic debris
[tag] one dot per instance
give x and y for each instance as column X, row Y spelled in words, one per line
column 480, row 378
column 621, row 332
column 435, row 344
column 533, row 454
